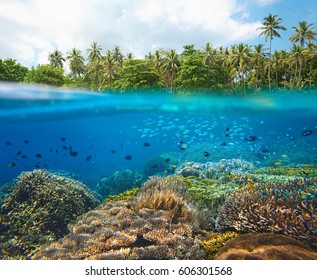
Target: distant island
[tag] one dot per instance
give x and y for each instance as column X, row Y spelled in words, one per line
column 239, row 68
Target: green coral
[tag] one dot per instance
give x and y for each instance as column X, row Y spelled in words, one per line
column 215, row 241
column 307, row 170
column 123, row 196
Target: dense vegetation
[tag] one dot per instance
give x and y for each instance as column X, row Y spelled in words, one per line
column 238, row 68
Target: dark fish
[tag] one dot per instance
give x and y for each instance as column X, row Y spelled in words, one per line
column 73, row 153
column 112, row 151
column 308, row 132
column 292, row 138
column 146, row 144
column 51, row 150
column 206, row 154
column 228, row 128
column 223, row 144
column 19, row 153
column 265, row 150
column 167, row 160
column 64, row 148
column 56, row 151
column 26, row 141
column 63, row 139
column 8, row 143
column 11, row 164
column 24, row 156
column 227, row 134
column 128, row 157
column 38, row 155
column 251, row 138
column 155, row 166
column 88, row 158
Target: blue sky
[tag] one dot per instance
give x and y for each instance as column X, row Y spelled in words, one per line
column 31, row 29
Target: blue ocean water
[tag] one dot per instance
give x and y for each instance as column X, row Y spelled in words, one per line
column 93, row 135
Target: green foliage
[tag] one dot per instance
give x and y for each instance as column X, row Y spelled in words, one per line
column 45, row 74
column 137, row 73
column 11, row 71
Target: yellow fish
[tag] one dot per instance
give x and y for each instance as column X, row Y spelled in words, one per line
column 284, row 156
column 277, row 163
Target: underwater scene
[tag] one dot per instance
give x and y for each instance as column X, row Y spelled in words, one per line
column 154, row 175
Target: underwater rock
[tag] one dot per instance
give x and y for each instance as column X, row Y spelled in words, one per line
column 157, row 224
column 118, row 182
column 288, row 208
column 155, row 166
column 266, row 246
column 38, row 211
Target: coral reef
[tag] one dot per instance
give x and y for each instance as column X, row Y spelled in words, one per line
column 216, row 241
column 157, row 224
column 155, row 166
column 123, row 196
column 265, row 246
column 214, row 170
column 288, row 208
column 307, row 170
column 39, row 209
column 118, row 182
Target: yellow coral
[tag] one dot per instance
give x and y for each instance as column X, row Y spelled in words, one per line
column 123, row 196
column 215, row 241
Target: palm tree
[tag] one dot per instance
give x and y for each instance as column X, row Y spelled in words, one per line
column 258, row 58
column 304, row 32
column 110, row 67
column 76, row 62
column 170, row 67
column 130, row 56
column 94, row 52
column 296, row 58
column 117, row 55
column 240, row 58
column 310, row 53
column 209, row 54
column 94, row 69
column 56, row 59
column 158, row 61
column 270, row 25
column 278, row 63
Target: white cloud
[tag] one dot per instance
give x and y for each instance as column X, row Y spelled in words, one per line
column 33, row 28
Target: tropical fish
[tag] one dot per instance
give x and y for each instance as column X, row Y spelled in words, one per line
column 112, row 151
column 26, row 141
column 146, row 144
column 8, row 143
column 38, row 155
column 73, row 153
column 251, row 138
column 11, row 164
column 206, row 154
column 308, row 132
column 63, row 139
column 167, row 160
column 128, row 157
column 277, row 163
column 88, row 158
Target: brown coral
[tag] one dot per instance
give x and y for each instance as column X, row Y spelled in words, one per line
column 39, row 209
column 265, row 246
column 123, row 230
column 288, row 208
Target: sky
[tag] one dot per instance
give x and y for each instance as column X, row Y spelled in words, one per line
column 31, row 29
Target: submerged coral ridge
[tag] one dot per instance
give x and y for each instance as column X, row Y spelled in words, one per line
column 39, row 209
column 287, row 208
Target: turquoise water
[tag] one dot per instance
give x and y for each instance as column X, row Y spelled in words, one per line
column 92, row 135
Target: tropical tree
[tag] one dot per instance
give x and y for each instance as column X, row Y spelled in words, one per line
column 11, row 71
column 302, row 33
column 258, row 59
column 240, row 58
column 296, row 58
column 76, row 60
column 45, row 74
column 110, row 68
column 311, row 54
column 94, row 70
column 209, row 54
column 56, row 59
column 117, row 55
column 170, row 67
column 279, row 59
column 94, row 52
column 270, row 25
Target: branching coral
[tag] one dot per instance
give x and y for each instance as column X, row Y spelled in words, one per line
column 39, row 209
column 288, row 208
